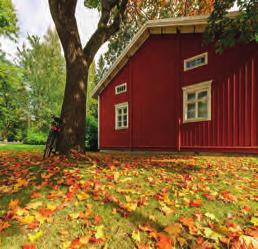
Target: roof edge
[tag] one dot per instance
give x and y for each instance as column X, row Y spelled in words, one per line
column 189, row 24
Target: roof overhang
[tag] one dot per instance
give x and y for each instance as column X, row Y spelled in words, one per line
column 190, row 24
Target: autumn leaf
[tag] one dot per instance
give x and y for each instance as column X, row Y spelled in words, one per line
column 97, row 219
column 174, row 229
column 195, row 203
column 35, row 236
column 99, row 232
column 136, row 236
column 164, row 242
column 4, row 225
column 13, row 204
column 29, row 246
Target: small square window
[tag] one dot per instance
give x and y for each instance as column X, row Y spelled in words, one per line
column 121, row 116
column 197, row 102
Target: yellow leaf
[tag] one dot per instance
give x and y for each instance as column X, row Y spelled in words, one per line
column 136, row 236
column 26, row 220
column 99, row 232
column 34, row 205
column 82, row 196
column 35, row 236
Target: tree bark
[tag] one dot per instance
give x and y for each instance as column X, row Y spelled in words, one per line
column 73, row 111
column 78, row 60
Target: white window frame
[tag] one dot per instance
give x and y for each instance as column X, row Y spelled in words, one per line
column 121, row 91
column 194, row 58
column 117, row 107
column 196, row 88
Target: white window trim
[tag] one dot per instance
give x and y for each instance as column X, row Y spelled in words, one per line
column 123, row 91
column 206, row 85
column 117, row 106
column 196, row 57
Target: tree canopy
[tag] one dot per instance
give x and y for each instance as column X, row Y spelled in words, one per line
column 224, row 31
column 8, row 20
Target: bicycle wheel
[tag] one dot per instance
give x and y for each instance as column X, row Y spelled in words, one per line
column 49, row 146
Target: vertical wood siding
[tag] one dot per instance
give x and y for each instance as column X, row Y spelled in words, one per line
column 233, row 125
column 155, row 78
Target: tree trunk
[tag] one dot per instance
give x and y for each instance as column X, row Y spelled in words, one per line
column 73, row 112
column 78, row 60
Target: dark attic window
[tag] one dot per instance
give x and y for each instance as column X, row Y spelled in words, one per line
column 196, row 61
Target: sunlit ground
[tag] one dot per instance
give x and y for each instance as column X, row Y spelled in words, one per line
column 127, row 201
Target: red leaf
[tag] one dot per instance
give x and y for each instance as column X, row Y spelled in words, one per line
column 195, row 203
column 28, row 246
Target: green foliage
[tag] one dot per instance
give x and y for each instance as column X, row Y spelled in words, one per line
column 91, row 132
column 138, row 12
column 92, row 105
column 92, row 112
column 44, row 74
column 8, row 20
column 92, row 4
column 35, row 137
column 224, row 31
column 13, row 101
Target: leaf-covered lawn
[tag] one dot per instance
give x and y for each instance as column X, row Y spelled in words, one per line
column 128, row 201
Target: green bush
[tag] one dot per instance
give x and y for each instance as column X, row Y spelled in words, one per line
column 35, row 137
column 91, row 133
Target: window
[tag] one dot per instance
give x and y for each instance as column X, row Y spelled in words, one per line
column 121, row 116
column 121, row 88
column 196, row 61
column 197, row 102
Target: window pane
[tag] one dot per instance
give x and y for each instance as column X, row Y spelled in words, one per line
column 119, row 118
column 125, row 117
column 125, row 123
column 202, row 94
column 190, row 96
column 202, row 110
column 119, row 124
column 125, row 110
column 191, row 111
column 119, row 111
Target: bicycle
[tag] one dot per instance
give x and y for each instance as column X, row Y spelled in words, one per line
column 55, row 129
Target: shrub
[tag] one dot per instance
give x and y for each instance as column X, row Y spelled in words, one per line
column 91, row 133
column 35, row 137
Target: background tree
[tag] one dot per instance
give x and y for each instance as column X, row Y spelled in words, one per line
column 44, row 74
column 225, row 32
column 13, row 101
column 8, row 20
column 92, row 112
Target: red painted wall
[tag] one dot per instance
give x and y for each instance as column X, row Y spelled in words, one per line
column 109, row 137
column 154, row 81
column 233, row 126
column 155, row 76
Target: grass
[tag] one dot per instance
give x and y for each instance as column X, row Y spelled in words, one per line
column 106, row 200
column 21, row 147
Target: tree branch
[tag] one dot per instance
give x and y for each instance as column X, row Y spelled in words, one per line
column 105, row 30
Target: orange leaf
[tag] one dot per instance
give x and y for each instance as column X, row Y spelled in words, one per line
column 28, row 246
column 195, row 203
column 164, row 242
column 3, row 225
column 14, row 204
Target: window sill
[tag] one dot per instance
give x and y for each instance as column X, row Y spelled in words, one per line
column 122, row 128
column 196, row 120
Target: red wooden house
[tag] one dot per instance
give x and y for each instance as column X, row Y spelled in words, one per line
column 168, row 92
